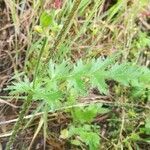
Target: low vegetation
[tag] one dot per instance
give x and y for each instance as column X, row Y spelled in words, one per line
column 84, row 82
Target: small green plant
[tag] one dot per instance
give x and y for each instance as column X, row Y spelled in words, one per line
column 87, row 134
column 78, row 77
column 52, row 77
column 81, row 131
column 58, row 81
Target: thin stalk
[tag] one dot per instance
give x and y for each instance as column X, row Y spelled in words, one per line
column 17, row 125
column 38, row 62
column 62, row 34
column 26, row 104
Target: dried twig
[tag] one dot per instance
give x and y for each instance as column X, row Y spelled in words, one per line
column 6, row 102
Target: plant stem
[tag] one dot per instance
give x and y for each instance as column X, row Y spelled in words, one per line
column 61, row 36
column 26, row 104
column 17, row 125
column 38, row 62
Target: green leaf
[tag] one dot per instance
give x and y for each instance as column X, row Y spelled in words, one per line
column 135, row 137
column 87, row 114
column 147, row 125
column 89, row 137
column 144, row 78
column 98, row 80
column 126, row 74
column 20, row 87
column 58, row 71
column 76, row 142
column 46, row 19
column 146, row 129
column 64, row 134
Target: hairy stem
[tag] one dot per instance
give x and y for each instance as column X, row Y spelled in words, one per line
column 61, row 36
column 27, row 103
column 18, row 124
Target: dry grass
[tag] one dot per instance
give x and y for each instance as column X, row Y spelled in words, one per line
column 99, row 28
